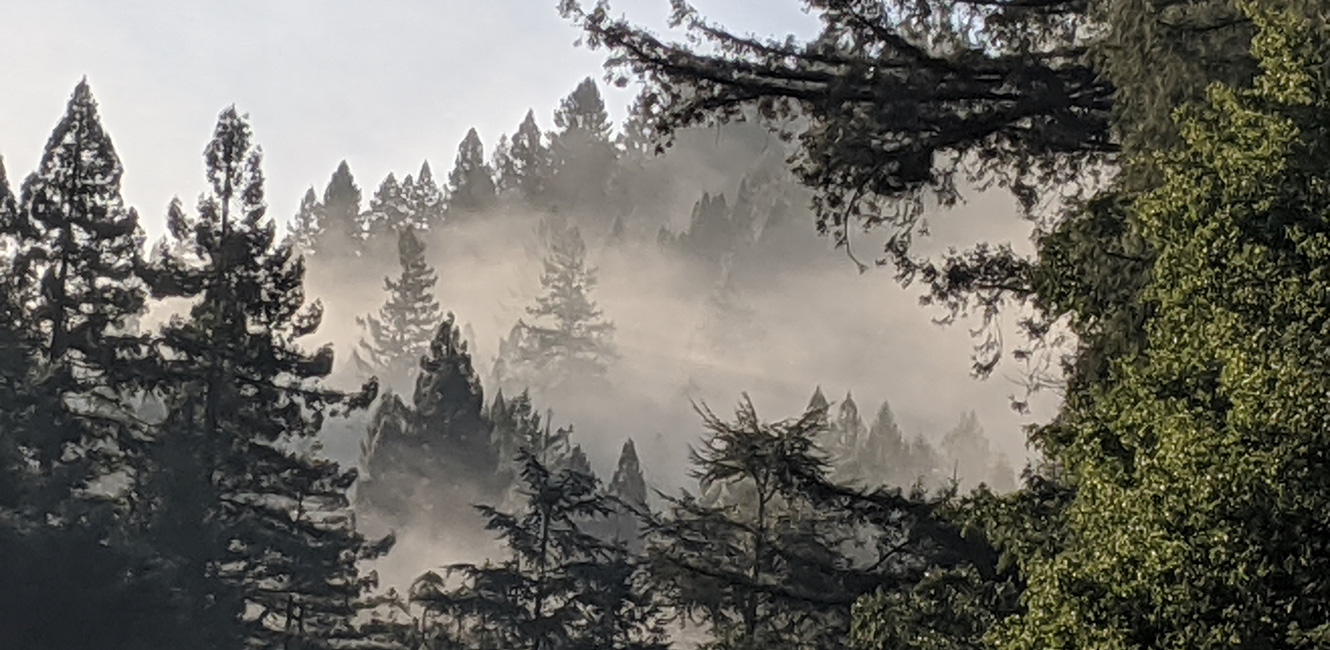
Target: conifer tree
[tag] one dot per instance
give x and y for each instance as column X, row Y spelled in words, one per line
column 582, row 154
column 559, row 587
column 253, row 522
column 8, row 217
column 397, row 338
column 307, row 227
column 424, row 199
column 450, row 405
column 392, row 460
column 471, row 182
column 343, row 224
column 628, row 490
column 389, row 210
column 77, row 270
column 442, row 445
column 567, row 338
column 524, row 167
column 771, row 553
column 883, row 460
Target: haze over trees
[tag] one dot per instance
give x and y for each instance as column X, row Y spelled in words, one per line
column 163, row 481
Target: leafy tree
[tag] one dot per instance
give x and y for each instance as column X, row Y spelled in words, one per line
column 399, row 336
column 471, row 183
column 253, row 523
column 567, row 338
column 1200, row 501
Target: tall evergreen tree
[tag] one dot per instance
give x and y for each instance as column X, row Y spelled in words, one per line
column 471, row 182
column 389, row 210
column 77, row 268
column 443, row 445
column 559, row 588
column 254, row 524
column 451, row 405
column 343, row 224
column 399, row 336
column 629, row 491
column 308, row 227
column 567, row 338
column 581, row 152
column 771, row 553
column 425, row 201
column 524, row 167
column 8, row 216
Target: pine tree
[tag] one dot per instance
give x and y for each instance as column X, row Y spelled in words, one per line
column 343, row 226
column 400, row 335
column 254, row 524
column 582, row 154
column 443, row 446
column 391, row 459
column 966, row 452
column 8, row 217
column 78, row 273
column 559, row 588
column 523, row 168
column 884, row 460
column 471, row 183
column 425, row 200
column 567, row 338
column 771, row 553
column 307, row 228
column 450, row 405
column 629, row 491
column 389, row 210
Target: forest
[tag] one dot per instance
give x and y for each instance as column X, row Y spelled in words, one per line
column 477, row 411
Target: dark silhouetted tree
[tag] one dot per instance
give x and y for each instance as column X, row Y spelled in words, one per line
column 254, row 524
column 471, row 182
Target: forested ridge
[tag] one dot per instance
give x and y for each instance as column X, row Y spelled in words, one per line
column 166, row 481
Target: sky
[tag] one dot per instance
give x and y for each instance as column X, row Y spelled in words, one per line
column 383, row 84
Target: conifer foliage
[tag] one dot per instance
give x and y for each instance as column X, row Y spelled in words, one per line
column 397, row 338
column 256, row 525
column 77, row 276
column 560, row 587
column 567, row 338
column 471, row 182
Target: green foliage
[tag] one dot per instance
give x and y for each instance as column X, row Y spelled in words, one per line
column 1200, row 496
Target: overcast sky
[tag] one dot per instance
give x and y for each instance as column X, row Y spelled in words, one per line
column 384, row 84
